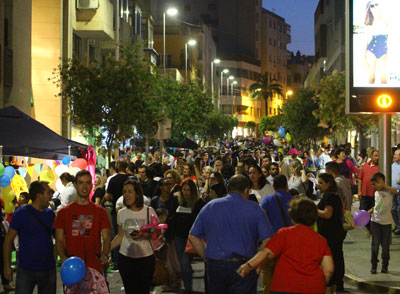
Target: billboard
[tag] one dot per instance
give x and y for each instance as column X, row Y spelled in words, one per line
column 373, row 54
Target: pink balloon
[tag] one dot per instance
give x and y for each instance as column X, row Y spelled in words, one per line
column 80, row 163
column 361, row 218
column 153, row 227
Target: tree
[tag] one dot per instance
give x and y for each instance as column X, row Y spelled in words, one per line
column 270, row 123
column 297, row 116
column 332, row 104
column 251, row 125
column 217, row 125
column 264, row 88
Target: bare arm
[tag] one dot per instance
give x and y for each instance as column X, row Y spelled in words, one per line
column 256, row 262
column 327, row 267
column 60, row 244
column 106, row 235
column 7, row 248
column 303, row 176
column 198, row 246
column 118, row 238
column 326, row 213
column 359, row 187
column 392, row 190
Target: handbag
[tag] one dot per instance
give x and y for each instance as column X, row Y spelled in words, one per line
column 348, row 222
column 160, row 276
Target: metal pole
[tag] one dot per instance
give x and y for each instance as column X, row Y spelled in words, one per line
column 212, row 81
column 227, row 86
column 186, row 63
column 385, row 147
column 232, row 86
column 164, row 42
column 117, row 30
column 222, row 82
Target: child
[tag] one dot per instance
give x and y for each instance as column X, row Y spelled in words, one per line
column 381, row 222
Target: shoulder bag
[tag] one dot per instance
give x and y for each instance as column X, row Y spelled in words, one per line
column 48, row 230
column 281, row 209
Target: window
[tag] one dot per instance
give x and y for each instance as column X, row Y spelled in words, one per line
column 274, row 111
column 138, row 22
column 76, row 46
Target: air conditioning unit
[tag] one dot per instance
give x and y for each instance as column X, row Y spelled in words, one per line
column 87, row 4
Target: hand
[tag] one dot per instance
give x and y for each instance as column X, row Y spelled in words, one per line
column 161, row 239
column 8, row 273
column 139, row 235
column 103, row 259
column 243, row 270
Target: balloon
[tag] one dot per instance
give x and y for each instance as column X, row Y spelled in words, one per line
column 153, row 227
column 47, row 175
column 1, row 168
column 72, row 271
column 9, row 171
column 79, row 162
column 5, row 181
column 92, row 282
column 276, row 135
column 280, row 150
column 288, row 137
column 74, row 170
column 8, row 207
column 61, row 169
column 265, row 139
column 66, row 160
column 277, row 143
column 18, row 185
column 361, row 218
column 7, row 194
column 281, row 132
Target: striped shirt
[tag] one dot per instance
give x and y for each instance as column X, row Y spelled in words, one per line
column 367, row 171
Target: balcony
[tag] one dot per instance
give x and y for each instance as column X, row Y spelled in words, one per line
column 96, row 23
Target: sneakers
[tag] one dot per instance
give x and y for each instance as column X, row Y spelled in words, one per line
column 397, row 232
column 373, row 270
column 9, row 288
column 384, row 270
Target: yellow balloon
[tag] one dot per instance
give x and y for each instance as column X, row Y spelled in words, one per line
column 276, row 135
column 18, row 185
column 7, row 194
column 288, row 137
column 47, row 175
column 8, row 207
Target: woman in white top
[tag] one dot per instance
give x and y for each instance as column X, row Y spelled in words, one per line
column 298, row 177
column 68, row 194
column 260, row 187
column 136, row 257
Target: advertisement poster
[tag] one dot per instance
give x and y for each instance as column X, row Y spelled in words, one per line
column 376, row 43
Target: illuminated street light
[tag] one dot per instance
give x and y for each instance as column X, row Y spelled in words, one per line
column 225, row 71
column 227, row 84
column 190, row 43
column 216, row 61
column 170, row 12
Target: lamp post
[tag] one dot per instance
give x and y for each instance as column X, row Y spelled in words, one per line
column 225, row 71
column 216, row 61
column 288, row 93
column 170, row 12
column 227, row 84
column 190, row 43
column 232, row 87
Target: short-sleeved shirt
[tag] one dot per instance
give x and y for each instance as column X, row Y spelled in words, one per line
column 232, row 226
column 35, row 244
column 367, row 171
column 382, row 213
column 299, row 252
column 115, row 187
column 332, row 228
column 82, row 225
column 273, row 211
column 131, row 221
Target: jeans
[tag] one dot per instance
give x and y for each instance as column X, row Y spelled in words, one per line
column 223, row 279
column 136, row 273
column 380, row 236
column 396, row 211
column 366, row 203
column 28, row 279
column 115, row 252
column 185, row 263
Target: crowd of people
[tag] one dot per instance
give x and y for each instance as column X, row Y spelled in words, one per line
column 243, row 208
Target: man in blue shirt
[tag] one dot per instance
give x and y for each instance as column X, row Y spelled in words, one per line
column 396, row 185
column 33, row 225
column 274, row 213
column 233, row 227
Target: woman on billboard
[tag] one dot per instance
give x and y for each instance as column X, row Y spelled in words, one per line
column 376, row 47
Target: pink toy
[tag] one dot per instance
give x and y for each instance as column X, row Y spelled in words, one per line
column 153, row 227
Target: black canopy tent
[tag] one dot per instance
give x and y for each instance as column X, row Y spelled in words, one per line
column 21, row 135
column 187, row 143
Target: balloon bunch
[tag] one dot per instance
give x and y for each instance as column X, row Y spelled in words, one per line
column 6, row 175
column 280, row 138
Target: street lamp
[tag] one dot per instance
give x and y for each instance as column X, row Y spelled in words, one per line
column 225, row 71
column 227, row 84
column 232, row 87
column 170, row 12
column 190, row 43
column 289, row 93
column 216, row 61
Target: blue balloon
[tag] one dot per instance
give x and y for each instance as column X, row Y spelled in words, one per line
column 9, row 171
column 66, row 160
column 72, row 271
column 5, row 181
column 281, row 132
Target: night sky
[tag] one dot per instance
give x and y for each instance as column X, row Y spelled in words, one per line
column 300, row 15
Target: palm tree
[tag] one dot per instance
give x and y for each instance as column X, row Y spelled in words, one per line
column 265, row 88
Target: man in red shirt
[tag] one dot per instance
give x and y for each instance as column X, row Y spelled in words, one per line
column 365, row 189
column 81, row 225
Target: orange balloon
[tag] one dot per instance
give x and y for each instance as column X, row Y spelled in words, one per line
column 80, row 163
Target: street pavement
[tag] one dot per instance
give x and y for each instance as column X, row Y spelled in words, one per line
column 358, row 278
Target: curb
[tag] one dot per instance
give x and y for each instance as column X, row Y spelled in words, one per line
column 370, row 287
